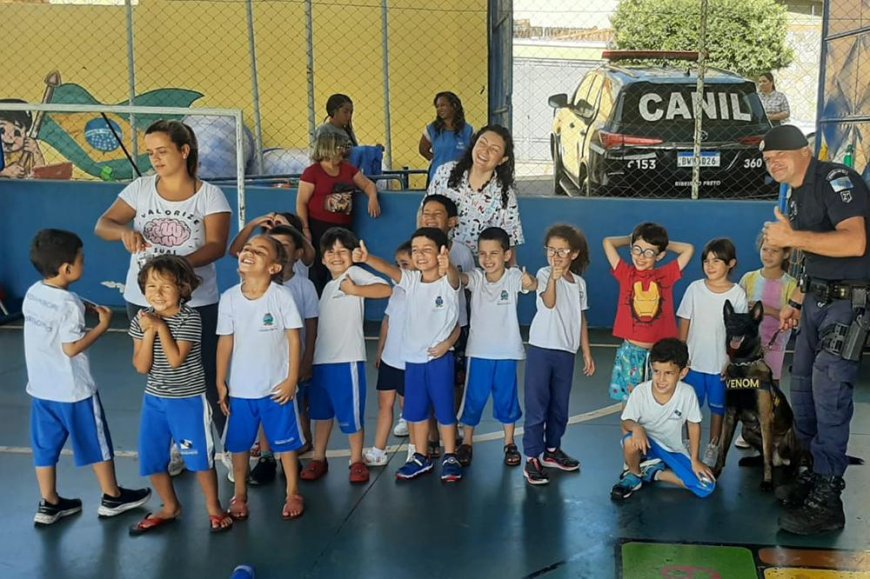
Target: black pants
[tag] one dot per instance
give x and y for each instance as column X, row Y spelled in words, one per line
column 208, row 345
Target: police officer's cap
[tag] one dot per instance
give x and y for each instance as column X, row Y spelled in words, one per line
column 783, row 138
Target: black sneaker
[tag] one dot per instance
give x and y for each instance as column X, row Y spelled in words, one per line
column 48, row 514
column 558, row 459
column 128, row 499
column 794, row 494
column 264, row 472
column 822, row 511
column 534, row 472
column 464, row 454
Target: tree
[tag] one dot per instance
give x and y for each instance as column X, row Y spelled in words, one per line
column 744, row 36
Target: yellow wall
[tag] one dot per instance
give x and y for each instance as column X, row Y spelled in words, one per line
column 203, row 46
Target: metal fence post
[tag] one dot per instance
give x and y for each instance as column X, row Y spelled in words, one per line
column 255, row 87
column 309, row 52
column 131, row 77
column 696, row 103
column 385, row 49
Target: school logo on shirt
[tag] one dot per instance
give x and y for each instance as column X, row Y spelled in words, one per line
column 268, row 320
column 185, row 444
column 677, row 415
column 439, row 302
column 504, row 297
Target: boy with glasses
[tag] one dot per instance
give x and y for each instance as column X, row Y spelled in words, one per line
column 645, row 307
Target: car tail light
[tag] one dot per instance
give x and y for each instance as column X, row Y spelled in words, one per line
column 612, row 140
column 752, row 141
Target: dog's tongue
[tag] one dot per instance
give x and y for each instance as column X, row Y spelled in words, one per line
column 735, row 342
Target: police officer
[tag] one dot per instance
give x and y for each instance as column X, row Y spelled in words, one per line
column 827, row 220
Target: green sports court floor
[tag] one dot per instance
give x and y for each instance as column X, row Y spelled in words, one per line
column 491, row 524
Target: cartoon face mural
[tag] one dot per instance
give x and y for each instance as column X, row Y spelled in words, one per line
column 21, row 152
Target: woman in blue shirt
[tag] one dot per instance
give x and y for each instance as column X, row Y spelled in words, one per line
column 446, row 138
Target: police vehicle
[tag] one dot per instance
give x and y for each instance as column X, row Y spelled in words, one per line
column 627, row 130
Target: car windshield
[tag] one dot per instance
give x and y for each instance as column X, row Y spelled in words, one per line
column 730, row 112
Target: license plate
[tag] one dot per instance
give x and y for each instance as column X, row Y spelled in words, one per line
column 708, row 159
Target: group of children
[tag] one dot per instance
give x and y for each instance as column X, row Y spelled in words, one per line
column 286, row 357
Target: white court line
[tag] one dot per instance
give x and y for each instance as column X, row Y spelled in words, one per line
column 392, row 449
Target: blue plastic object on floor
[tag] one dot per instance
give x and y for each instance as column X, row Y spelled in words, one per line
column 243, row 572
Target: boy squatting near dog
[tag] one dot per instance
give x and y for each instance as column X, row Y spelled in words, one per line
column 652, row 426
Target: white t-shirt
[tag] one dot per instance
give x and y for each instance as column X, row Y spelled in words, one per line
column 396, row 310
column 174, row 227
column 559, row 328
column 706, row 340
column 261, row 352
column 495, row 329
column 663, row 422
column 340, row 327
column 54, row 317
column 433, row 312
column 462, row 258
column 300, row 268
column 305, row 296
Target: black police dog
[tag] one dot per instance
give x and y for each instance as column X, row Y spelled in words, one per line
column 754, row 398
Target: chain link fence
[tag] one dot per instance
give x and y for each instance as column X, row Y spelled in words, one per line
column 276, row 60
column 589, row 125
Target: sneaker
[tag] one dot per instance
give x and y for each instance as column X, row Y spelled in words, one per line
column 176, row 462
column 418, row 465
column 412, row 450
column 534, row 472
column 558, row 459
column 625, row 487
column 375, row 457
column 48, row 514
column 128, row 499
column 359, row 473
column 314, row 470
column 650, row 469
column 265, row 471
column 464, row 454
column 451, row 469
column 740, row 442
column 227, row 461
column 434, row 449
column 401, row 428
column 711, row 455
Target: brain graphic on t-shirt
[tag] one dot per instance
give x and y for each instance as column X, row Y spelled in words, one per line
column 167, row 232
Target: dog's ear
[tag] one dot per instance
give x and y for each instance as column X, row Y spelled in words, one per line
column 728, row 309
column 757, row 311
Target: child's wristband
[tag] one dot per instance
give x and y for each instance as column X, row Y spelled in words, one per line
column 795, row 305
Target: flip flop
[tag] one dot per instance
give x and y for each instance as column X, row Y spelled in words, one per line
column 240, row 513
column 294, row 503
column 149, row 523
column 216, row 523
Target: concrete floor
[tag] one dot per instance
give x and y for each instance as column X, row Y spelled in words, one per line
column 491, row 524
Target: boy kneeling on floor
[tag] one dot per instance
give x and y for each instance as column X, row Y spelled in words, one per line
column 652, row 428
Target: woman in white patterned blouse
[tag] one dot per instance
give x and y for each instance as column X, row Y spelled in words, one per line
column 481, row 184
column 774, row 102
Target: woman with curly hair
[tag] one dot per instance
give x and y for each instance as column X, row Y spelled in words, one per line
column 448, row 136
column 481, row 184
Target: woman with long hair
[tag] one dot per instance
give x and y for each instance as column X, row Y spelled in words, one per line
column 448, row 136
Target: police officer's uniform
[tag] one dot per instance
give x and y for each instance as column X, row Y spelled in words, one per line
column 832, row 318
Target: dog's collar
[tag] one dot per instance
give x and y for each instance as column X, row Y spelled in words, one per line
column 746, row 361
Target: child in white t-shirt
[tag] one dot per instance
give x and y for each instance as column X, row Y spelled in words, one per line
column 652, row 428
column 430, row 330
column 258, row 364
column 390, row 363
column 558, row 330
column 338, row 386
column 702, row 328
column 65, row 401
column 494, row 343
column 305, row 297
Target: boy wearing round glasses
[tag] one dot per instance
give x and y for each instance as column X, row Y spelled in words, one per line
column 645, row 307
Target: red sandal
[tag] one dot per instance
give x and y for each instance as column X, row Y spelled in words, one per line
column 294, row 504
column 238, row 509
column 150, row 523
column 216, row 522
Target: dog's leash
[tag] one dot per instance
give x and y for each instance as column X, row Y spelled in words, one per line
column 772, row 340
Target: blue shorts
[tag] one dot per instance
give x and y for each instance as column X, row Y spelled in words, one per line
column 280, row 425
column 485, row 376
column 710, row 387
column 680, row 464
column 339, row 391
column 83, row 422
column 390, row 378
column 630, row 368
column 428, row 386
column 187, row 421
